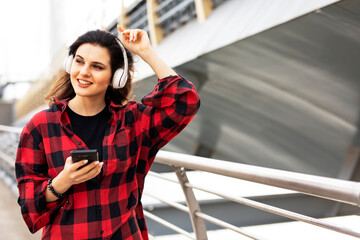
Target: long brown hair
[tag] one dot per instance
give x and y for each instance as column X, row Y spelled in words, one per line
column 62, row 88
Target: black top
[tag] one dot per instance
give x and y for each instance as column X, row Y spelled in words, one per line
column 90, row 129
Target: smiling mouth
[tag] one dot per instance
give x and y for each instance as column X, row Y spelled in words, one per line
column 83, row 82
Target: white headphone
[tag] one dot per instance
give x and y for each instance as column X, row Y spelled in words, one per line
column 120, row 75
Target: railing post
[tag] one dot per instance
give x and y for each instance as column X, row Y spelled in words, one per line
column 197, row 223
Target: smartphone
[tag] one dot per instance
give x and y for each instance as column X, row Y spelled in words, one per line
column 90, row 155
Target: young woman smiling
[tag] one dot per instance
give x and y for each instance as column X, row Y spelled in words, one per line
column 100, row 200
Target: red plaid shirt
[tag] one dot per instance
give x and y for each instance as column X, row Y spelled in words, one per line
column 108, row 206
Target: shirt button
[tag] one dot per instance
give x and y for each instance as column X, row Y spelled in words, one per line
column 67, row 201
column 79, row 143
column 101, row 231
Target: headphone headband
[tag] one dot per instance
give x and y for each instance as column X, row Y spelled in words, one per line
column 120, row 81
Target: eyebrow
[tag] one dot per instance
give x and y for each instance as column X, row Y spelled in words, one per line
column 77, row 55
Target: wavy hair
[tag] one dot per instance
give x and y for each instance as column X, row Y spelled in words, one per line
column 62, row 88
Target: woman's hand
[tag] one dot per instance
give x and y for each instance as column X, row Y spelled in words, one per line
column 136, row 40
column 71, row 174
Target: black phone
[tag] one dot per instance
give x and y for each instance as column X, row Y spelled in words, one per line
column 91, row 155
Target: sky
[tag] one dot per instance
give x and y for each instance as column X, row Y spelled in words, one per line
column 17, row 39
column 32, row 31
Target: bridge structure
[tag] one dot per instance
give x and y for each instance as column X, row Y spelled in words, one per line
column 279, row 87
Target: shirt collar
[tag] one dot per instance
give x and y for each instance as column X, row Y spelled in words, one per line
column 115, row 104
column 64, row 102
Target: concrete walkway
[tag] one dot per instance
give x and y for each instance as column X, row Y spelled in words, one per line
column 12, row 226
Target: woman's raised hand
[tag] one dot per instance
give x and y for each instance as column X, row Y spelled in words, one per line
column 136, row 40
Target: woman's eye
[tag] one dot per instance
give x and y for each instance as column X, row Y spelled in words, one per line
column 98, row 67
column 79, row 61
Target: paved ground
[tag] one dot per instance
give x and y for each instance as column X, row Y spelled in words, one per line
column 12, row 225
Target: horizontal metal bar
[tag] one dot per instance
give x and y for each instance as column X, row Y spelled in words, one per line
column 8, row 160
column 151, row 237
column 170, row 203
column 260, row 206
column 227, row 225
column 204, row 216
column 154, row 174
column 169, row 225
column 199, row 214
column 10, row 129
column 281, row 212
column 324, row 187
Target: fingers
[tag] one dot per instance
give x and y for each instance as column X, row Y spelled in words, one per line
column 90, row 167
column 120, row 28
column 94, row 170
column 131, row 35
column 88, row 172
column 125, row 34
column 76, row 165
column 134, row 35
column 68, row 160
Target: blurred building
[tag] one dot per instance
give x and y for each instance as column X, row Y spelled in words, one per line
column 278, row 80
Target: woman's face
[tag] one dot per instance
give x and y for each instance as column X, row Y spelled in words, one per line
column 90, row 71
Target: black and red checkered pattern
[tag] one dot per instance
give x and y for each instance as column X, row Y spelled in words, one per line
column 108, row 206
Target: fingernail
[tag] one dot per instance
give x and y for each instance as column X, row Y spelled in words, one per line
column 101, row 164
column 85, row 161
column 97, row 162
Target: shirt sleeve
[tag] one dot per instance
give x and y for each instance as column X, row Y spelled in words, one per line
column 167, row 110
column 31, row 174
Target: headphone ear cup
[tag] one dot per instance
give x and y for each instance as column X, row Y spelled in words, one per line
column 119, row 78
column 67, row 63
column 121, row 75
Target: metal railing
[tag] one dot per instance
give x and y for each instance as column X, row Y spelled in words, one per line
column 9, row 139
column 323, row 187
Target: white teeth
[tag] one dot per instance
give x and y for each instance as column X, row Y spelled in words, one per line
column 84, row 82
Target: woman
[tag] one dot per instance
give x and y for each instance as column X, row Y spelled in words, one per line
column 102, row 199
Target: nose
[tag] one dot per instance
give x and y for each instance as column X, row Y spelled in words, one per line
column 85, row 70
